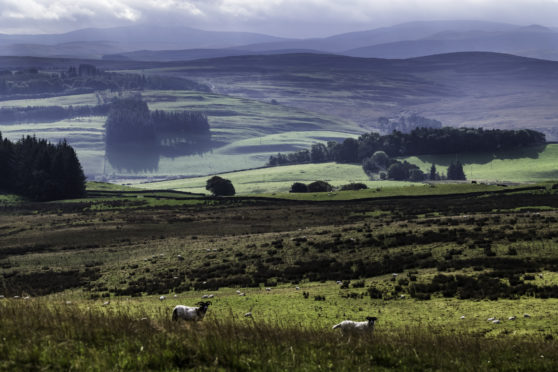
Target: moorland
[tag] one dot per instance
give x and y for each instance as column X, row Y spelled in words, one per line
column 461, row 275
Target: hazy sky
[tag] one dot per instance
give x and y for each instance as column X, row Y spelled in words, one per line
column 294, row 18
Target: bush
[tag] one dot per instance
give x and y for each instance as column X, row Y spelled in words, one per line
column 320, row 186
column 299, row 187
column 354, row 186
column 220, row 186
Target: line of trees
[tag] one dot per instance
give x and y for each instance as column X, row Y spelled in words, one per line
column 85, row 78
column 420, row 141
column 130, row 121
column 39, row 170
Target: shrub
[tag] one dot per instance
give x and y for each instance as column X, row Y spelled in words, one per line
column 320, row 186
column 220, row 186
column 354, row 186
column 299, row 187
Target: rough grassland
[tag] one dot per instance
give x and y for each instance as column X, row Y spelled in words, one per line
column 278, row 179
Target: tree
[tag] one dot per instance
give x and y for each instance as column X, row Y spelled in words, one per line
column 348, row 151
column 381, row 159
column 397, row 172
column 320, row 186
column 455, row 171
column 299, row 187
column 416, row 175
column 220, row 186
column 433, row 175
column 369, row 166
column 318, row 153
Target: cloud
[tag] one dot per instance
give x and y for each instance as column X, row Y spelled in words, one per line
column 287, row 17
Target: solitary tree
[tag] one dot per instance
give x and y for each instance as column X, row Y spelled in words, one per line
column 220, row 186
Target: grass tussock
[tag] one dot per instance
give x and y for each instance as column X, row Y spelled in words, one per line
column 37, row 335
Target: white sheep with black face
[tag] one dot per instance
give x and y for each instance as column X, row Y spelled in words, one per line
column 350, row 325
column 190, row 312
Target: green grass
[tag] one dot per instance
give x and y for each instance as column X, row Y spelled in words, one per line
column 279, row 179
column 525, row 165
column 46, row 334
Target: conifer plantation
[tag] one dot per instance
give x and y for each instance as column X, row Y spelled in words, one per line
column 39, row 170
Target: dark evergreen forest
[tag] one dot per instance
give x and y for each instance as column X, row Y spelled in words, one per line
column 39, row 170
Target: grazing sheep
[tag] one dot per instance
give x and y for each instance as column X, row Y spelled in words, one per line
column 248, row 315
column 190, row 313
column 511, row 318
column 297, row 288
column 268, row 289
column 210, row 296
column 162, row 298
column 106, row 303
column 339, row 282
column 462, row 317
column 490, row 319
column 496, row 321
column 237, row 291
column 526, row 315
column 242, row 294
column 350, row 325
column 205, row 296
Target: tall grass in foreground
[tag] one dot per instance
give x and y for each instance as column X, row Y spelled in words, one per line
column 37, row 335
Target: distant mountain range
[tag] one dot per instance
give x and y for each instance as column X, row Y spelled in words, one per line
column 408, row 40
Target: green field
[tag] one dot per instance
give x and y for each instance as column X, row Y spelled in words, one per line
column 523, row 166
column 244, row 132
column 279, row 179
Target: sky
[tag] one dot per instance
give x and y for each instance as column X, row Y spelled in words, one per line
column 287, row 18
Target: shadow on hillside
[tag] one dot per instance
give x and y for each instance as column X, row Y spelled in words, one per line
column 133, row 158
column 136, row 158
column 484, row 158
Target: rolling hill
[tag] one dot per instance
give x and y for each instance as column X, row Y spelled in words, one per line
column 532, row 41
column 459, row 89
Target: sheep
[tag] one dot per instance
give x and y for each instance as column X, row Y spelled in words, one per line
column 190, row 313
column 297, row 288
column 462, row 317
column 268, row 289
column 162, row 298
column 496, row 321
column 526, row 315
column 248, row 315
column 350, row 325
column 511, row 318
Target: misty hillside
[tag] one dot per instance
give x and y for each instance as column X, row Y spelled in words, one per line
column 532, row 41
column 123, row 39
column 143, row 42
column 459, row 89
column 405, row 31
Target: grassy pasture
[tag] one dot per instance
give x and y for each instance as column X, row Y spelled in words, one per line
column 279, row 179
column 71, row 258
column 524, row 165
column 69, row 336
